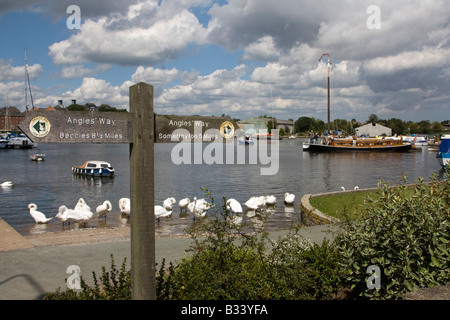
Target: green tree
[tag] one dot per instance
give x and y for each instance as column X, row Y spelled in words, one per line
column 373, row 118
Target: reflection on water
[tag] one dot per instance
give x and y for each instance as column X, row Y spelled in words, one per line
column 50, row 183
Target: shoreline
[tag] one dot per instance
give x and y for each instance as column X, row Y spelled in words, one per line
column 10, row 239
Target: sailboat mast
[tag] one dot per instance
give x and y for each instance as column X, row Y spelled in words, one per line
column 27, row 80
column 26, row 102
column 328, row 88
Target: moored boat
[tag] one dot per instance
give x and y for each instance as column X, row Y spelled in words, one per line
column 443, row 154
column 334, row 144
column 3, row 143
column 94, row 168
column 357, row 144
column 20, row 142
column 417, row 141
column 247, row 139
column 37, row 157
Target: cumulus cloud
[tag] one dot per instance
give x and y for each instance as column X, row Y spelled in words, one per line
column 80, row 71
column 395, row 70
column 147, row 34
column 9, row 72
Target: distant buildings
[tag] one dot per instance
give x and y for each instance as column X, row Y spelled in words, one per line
column 262, row 123
column 10, row 118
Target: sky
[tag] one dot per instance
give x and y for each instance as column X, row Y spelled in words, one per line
column 242, row 58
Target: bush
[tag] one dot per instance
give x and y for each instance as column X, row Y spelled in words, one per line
column 305, row 270
column 114, row 285
column 405, row 234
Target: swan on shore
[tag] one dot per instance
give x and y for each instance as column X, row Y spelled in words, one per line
column 342, row 188
column 81, row 205
column 234, row 205
column 255, row 203
column 38, row 216
column 63, row 214
column 356, row 188
column 198, row 207
column 183, row 203
column 104, row 208
column 161, row 212
column 124, row 206
column 289, row 198
column 168, row 203
column 271, row 200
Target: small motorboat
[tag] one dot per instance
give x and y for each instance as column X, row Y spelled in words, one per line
column 37, row 157
column 247, row 139
column 94, row 168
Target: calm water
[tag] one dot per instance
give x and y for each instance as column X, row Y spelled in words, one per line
column 50, row 183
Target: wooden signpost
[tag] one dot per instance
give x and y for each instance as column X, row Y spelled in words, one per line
column 140, row 128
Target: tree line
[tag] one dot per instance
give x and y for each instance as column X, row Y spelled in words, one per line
column 398, row 126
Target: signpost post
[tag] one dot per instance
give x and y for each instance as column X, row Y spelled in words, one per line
column 143, row 268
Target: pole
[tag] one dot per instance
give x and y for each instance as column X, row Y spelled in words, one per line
column 143, row 270
column 329, row 67
column 328, row 87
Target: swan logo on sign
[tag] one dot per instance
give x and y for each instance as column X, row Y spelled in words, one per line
column 40, row 127
column 227, row 129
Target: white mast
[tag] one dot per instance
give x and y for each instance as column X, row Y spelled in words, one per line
column 329, row 71
column 27, row 79
column 26, row 102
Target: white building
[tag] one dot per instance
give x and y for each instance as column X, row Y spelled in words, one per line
column 373, row 129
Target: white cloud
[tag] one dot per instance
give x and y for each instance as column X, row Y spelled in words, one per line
column 80, row 71
column 9, row 72
column 425, row 58
column 146, row 35
column 263, row 49
column 155, row 76
column 99, row 91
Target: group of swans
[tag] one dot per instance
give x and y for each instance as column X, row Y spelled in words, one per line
column 160, row 211
column 257, row 203
column 356, row 188
column 81, row 213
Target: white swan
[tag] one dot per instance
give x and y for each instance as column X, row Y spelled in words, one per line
column 289, row 198
column 271, row 200
column 168, row 203
column 102, row 209
column 199, row 207
column 161, row 212
column 234, row 205
column 255, row 203
column 356, row 188
column 183, row 203
column 6, row 184
column 81, row 205
column 342, row 188
column 124, row 205
column 38, row 216
column 64, row 214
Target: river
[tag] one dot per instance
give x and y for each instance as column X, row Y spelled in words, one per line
column 50, row 183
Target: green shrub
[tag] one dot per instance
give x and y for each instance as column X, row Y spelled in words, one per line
column 114, row 285
column 305, row 270
column 405, row 234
